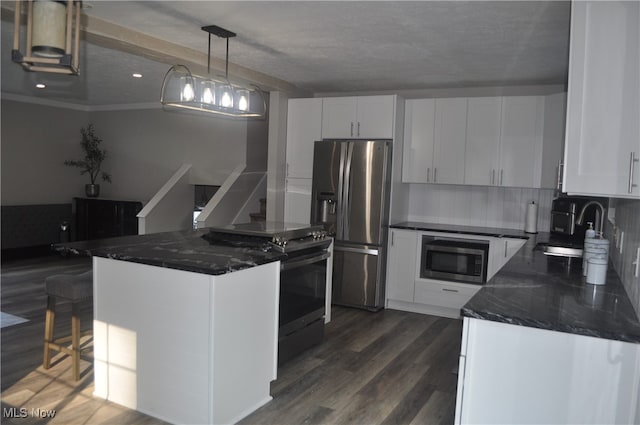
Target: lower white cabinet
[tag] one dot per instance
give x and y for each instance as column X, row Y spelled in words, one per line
column 500, row 252
column 442, row 298
column 401, row 264
column 514, row 374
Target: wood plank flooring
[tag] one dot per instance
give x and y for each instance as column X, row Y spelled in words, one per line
column 388, row 367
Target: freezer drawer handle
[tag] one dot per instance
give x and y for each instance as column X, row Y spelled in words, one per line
column 356, row 250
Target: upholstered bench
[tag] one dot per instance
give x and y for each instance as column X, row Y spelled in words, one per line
column 75, row 288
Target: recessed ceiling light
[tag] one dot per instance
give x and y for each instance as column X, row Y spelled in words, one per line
column 40, row 86
column 136, row 75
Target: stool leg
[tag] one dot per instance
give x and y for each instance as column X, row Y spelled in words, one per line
column 75, row 340
column 48, row 330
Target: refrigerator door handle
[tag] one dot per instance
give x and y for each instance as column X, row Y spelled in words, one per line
column 340, row 203
column 367, row 251
column 346, row 197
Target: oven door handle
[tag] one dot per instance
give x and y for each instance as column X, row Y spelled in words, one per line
column 304, row 261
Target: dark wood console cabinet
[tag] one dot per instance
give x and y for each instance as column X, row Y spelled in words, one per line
column 103, row 218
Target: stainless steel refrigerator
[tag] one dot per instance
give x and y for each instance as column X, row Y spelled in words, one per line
column 350, row 198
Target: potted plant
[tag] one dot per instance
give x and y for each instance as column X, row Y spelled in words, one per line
column 93, row 157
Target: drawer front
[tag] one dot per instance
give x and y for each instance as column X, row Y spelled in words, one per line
column 447, row 295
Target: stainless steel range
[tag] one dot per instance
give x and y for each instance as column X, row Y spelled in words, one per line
column 303, row 276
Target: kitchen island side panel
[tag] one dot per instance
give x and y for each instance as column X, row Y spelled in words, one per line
column 161, row 347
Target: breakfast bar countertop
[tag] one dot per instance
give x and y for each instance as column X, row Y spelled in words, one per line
column 546, row 292
column 181, row 250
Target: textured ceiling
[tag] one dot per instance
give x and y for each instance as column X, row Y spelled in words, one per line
column 324, row 47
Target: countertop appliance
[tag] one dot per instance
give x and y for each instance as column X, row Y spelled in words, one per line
column 565, row 210
column 350, row 199
column 303, row 275
column 458, row 260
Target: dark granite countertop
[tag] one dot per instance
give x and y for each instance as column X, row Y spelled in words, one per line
column 546, row 292
column 466, row 230
column 181, row 250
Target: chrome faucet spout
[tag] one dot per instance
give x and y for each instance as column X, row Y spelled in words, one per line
column 602, row 210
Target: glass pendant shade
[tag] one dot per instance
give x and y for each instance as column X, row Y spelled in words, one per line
column 225, row 96
column 49, row 29
column 208, row 92
column 242, row 99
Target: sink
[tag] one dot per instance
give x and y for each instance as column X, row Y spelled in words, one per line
column 559, row 251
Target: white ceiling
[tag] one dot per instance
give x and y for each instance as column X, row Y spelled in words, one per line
column 321, row 47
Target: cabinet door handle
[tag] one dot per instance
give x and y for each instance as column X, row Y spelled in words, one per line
column 287, row 172
column 450, row 290
column 559, row 183
column 493, row 176
column 505, row 249
column 632, row 160
column 435, row 175
column 358, row 128
column 428, row 174
column 351, row 132
column 501, row 175
column 392, row 235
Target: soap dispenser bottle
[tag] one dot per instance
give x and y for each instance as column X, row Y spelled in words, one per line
column 590, row 233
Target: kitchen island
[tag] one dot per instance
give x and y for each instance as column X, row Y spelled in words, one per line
column 183, row 330
column 540, row 345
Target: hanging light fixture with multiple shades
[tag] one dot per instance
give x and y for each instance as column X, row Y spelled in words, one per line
column 183, row 90
column 52, row 36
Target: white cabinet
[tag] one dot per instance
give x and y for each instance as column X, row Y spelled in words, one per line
column 297, row 201
column 304, row 127
column 417, row 155
column 442, row 298
column 521, row 141
column 518, row 374
column 361, row 117
column 449, row 141
column 401, row 265
column 484, row 116
column 500, row 252
column 603, row 109
column 435, row 140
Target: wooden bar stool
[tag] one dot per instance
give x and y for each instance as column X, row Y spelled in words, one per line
column 75, row 288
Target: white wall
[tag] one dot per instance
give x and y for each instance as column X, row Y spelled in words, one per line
column 145, row 147
column 482, row 206
column 35, row 142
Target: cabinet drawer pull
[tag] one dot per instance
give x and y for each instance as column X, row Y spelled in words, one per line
column 632, row 160
column 450, row 290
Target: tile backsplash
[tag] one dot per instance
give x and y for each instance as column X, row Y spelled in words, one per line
column 627, row 220
column 483, row 206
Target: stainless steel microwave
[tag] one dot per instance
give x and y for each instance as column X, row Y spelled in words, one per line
column 458, row 260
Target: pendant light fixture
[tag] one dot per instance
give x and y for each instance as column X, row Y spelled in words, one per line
column 183, row 90
column 52, row 36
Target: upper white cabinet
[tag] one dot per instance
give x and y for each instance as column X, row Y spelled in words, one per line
column 484, row 115
column 360, row 117
column 521, row 141
column 434, row 140
column 603, row 107
column 297, row 201
column 304, row 127
column 417, row 155
column 489, row 141
column 449, row 141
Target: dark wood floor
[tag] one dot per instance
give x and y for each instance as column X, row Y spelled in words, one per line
column 389, row 367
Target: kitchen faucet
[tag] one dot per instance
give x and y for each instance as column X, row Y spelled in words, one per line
column 602, row 209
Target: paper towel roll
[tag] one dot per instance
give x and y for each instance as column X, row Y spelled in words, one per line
column 531, row 222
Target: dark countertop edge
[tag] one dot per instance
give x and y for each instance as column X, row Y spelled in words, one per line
column 553, row 327
column 463, row 230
